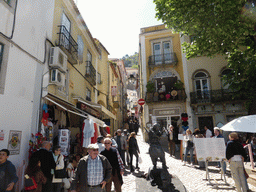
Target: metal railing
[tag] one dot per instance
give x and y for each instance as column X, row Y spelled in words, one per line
column 215, row 96
column 159, row 97
column 90, row 72
column 67, row 41
column 168, row 59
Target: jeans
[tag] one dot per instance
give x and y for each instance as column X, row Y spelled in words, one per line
column 190, row 150
column 133, row 152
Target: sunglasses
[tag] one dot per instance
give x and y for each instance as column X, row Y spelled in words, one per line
column 95, row 149
column 107, row 143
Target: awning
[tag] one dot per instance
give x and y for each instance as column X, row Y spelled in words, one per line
column 98, row 121
column 64, row 108
column 107, row 112
column 91, row 104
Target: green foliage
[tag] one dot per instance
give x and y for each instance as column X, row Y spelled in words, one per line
column 135, row 66
column 178, row 85
column 131, row 61
column 224, row 27
column 150, row 87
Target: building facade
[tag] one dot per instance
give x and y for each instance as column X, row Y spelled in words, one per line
column 161, row 77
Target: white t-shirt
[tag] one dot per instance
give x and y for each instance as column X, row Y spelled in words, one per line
column 208, row 134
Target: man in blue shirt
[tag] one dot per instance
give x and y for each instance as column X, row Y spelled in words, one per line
column 8, row 175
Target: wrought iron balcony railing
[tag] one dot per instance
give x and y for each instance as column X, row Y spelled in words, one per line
column 90, row 72
column 163, row 59
column 215, row 96
column 68, row 42
column 177, row 95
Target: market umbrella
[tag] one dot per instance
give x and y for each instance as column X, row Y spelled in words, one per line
column 241, row 124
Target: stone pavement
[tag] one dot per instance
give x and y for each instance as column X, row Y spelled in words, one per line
column 185, row 178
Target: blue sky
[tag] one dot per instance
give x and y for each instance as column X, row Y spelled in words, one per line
column 117, row 23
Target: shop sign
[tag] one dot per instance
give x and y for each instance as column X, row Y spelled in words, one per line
column 166, row 112
column 71, row 84
column 113, row 90
column 89, row 110
column 116, row 104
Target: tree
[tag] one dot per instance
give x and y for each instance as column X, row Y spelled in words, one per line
column 225, row 27
column 131, row 61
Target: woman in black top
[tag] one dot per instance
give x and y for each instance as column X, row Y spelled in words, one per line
column 133, row 150
column 235, row 155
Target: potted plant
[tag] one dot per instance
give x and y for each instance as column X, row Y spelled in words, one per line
column 178, row 85
column 150, row 90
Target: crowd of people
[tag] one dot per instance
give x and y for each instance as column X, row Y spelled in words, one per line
column 236, row 154
column 103, row 165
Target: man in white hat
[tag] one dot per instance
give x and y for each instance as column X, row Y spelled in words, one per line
column 93, row 172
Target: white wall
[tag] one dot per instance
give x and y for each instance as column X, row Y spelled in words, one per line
column 21, row 99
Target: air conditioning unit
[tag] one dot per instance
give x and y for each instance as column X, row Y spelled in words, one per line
column 58, row 59
column 57, row 77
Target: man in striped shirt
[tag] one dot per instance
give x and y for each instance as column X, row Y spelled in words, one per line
column 93, row 172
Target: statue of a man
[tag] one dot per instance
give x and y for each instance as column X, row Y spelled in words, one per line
column 155, row 150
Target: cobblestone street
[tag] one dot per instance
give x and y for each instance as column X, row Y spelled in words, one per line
column 185, row 178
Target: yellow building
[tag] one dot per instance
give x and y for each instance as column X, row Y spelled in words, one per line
column 161, row 77
column 78, row 72
column 210, row 101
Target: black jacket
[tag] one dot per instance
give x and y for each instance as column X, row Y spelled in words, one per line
column 235, row 148
column 47, row 161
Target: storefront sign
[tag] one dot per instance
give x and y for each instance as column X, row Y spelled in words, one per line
column 14, row 142
column 113, row 90
column 88, row 109
column 166, row 112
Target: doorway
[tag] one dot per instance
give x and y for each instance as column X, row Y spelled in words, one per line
column 205, row 121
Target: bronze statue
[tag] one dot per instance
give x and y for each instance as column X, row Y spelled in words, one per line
column 155, row 150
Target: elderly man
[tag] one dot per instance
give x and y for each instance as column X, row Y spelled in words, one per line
column 47, row 164
column 117, row 166
column 93, row 172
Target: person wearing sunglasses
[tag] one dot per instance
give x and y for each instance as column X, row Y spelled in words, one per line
column 93, row 172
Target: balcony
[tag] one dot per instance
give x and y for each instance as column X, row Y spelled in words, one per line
column 215, row 96
column 68, row 44
column 163, row 59
column 176, row 95
column 90, row 72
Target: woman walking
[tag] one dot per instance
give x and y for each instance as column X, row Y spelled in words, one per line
column 34, row 171
column 59, row 160
column 189, row 146
column 133, row 150
column 236, row 154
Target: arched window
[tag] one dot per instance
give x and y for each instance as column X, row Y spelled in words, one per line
column 224, row 83
column 201, row 81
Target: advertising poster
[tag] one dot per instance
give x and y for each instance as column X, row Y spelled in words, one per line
column 14, row 142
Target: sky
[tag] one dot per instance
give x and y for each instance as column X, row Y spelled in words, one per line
column 116, row 23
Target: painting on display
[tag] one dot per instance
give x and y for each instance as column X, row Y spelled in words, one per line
column 14, row 142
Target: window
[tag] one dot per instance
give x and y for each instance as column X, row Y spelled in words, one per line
column 88, row 94
column 4, row 50
column 224, row 83
column 162, row 51
column 80, row 48
column 99, row 78
column 202, row 85
column 66, row 31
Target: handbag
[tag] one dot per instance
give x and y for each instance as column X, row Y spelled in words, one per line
column 30, row 183
column 190, row 144
column 60, row 173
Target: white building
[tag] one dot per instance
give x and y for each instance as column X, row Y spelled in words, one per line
column 25, row 27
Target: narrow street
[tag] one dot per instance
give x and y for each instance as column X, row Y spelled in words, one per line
column 184, row 178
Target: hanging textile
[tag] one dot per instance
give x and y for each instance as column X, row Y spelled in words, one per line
column 108, row 130
column 95, row 136
column 87, row 132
